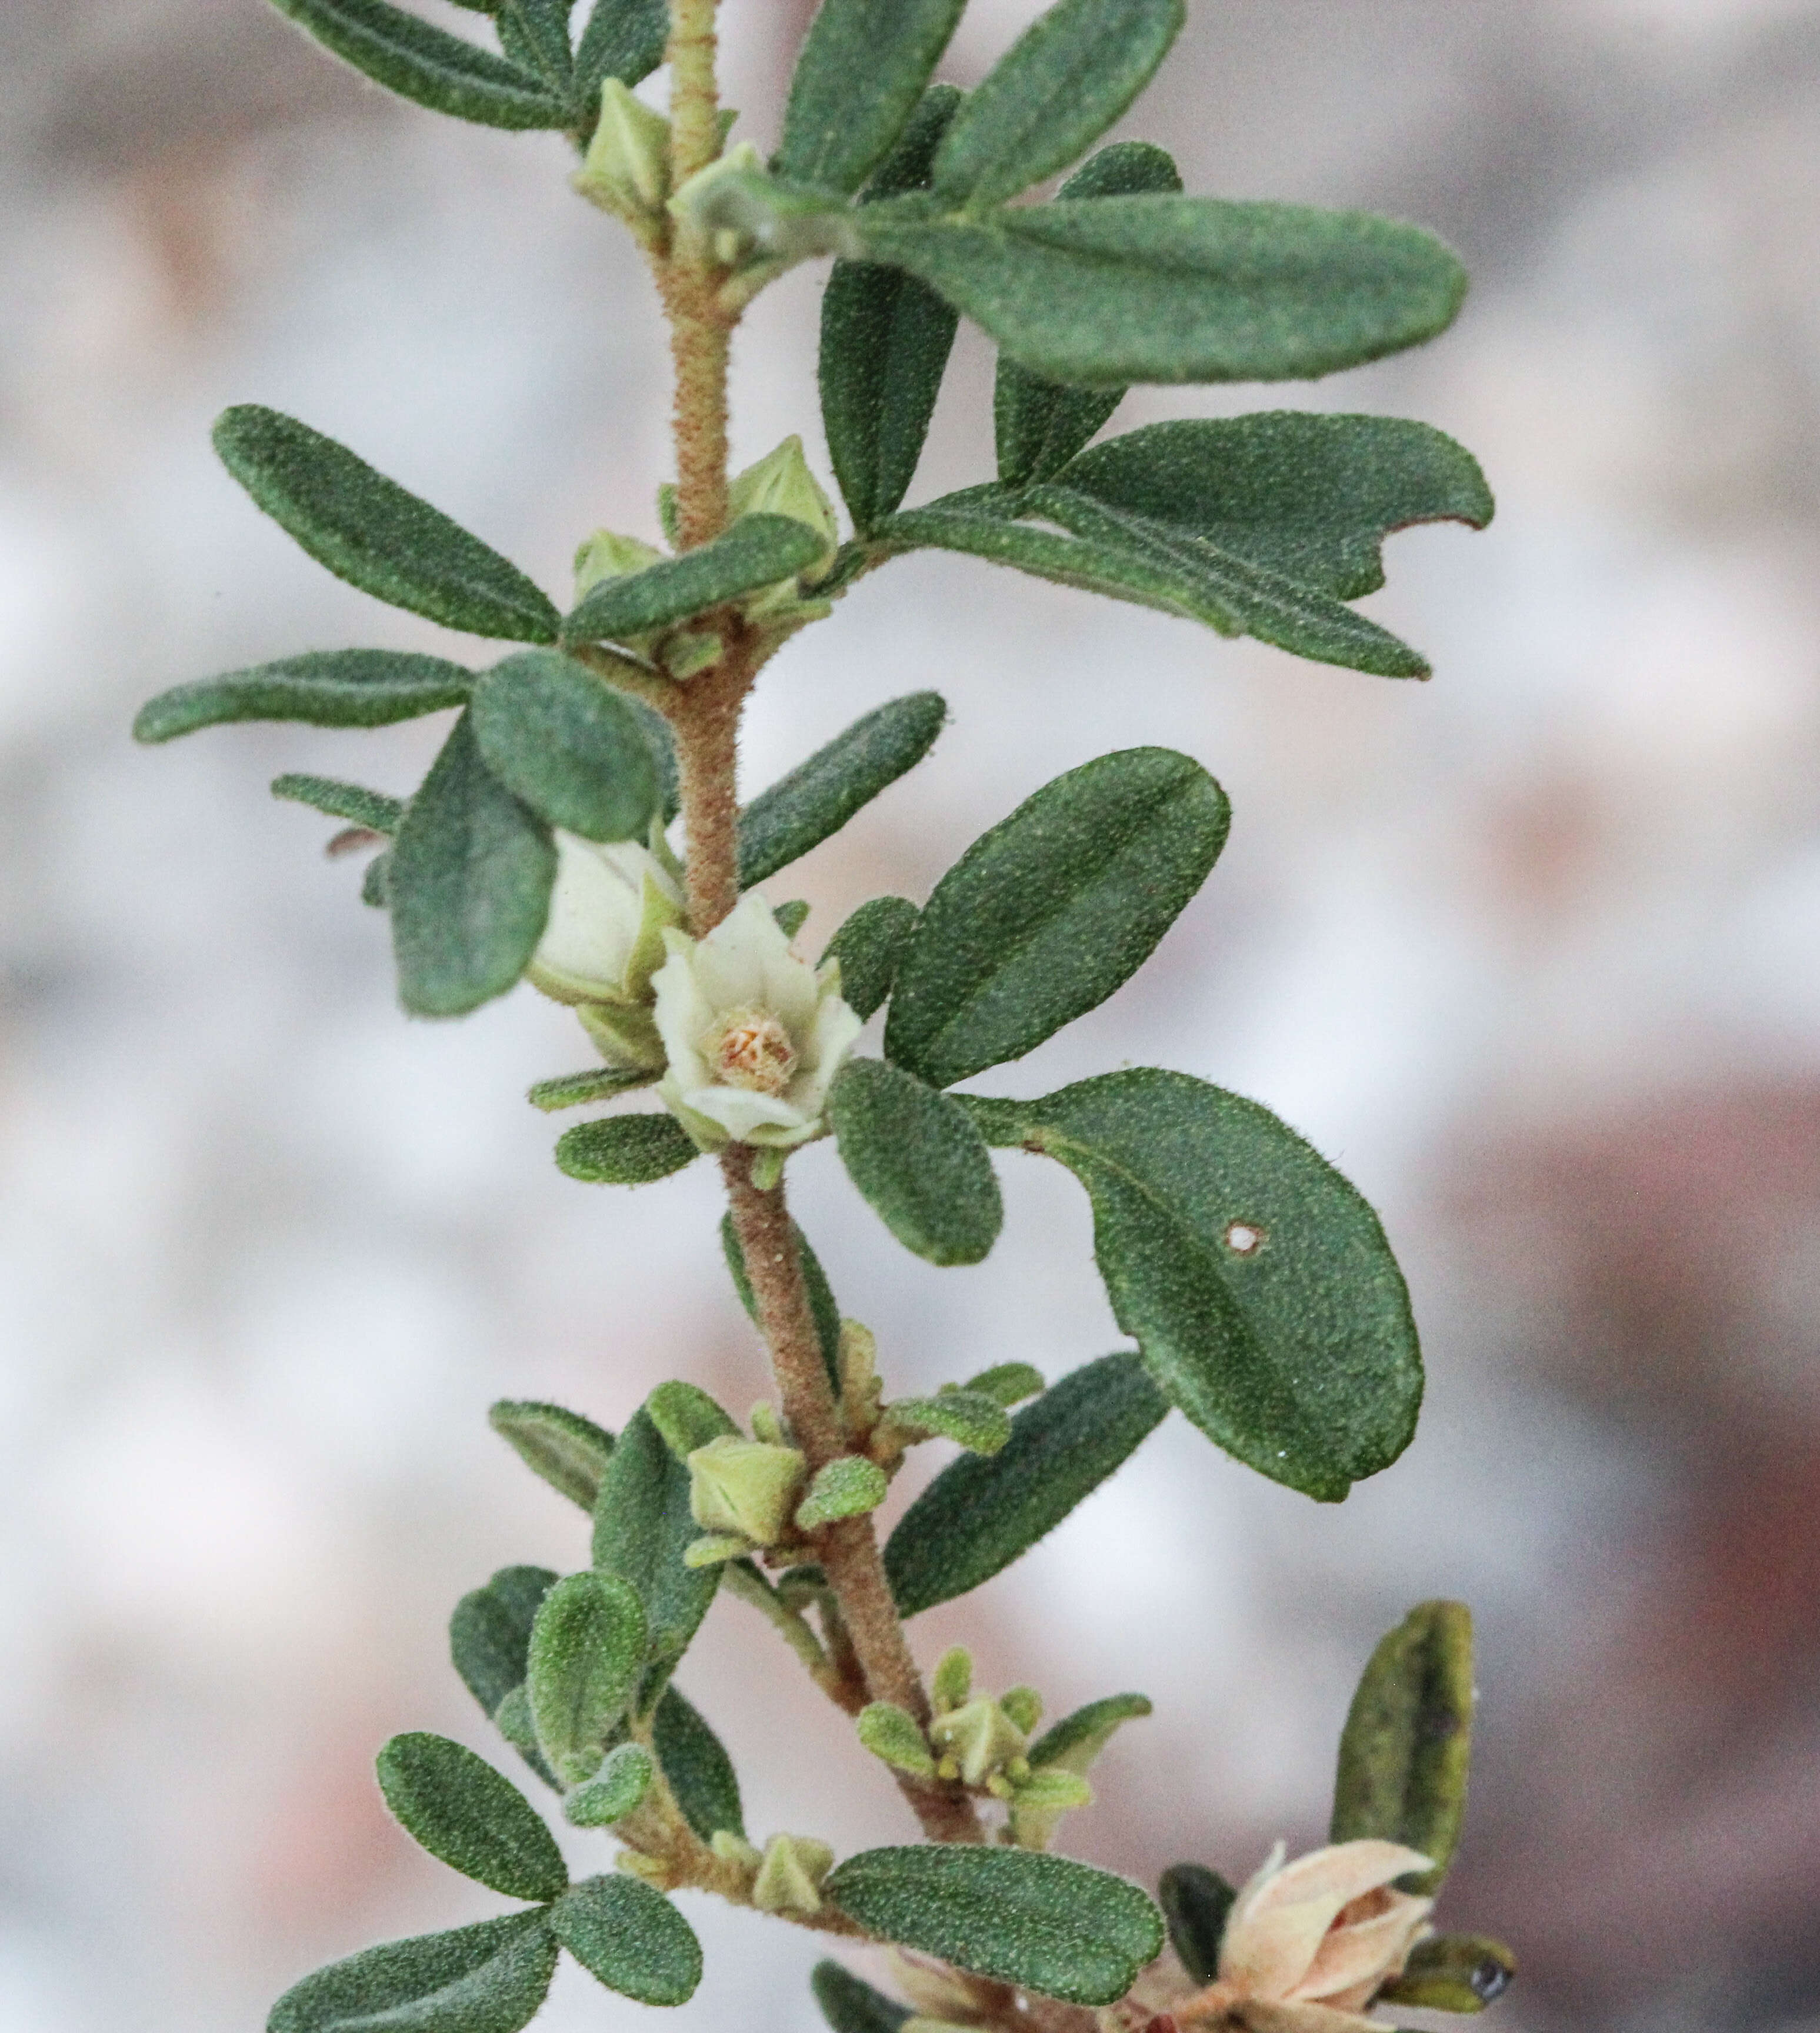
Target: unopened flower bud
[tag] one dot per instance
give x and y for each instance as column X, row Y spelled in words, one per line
column 981, row 1737
column 782, row 484
column 627, row 170
column 747, row 1487
column 608, row 555
column 789, row 1879
column 611, row 905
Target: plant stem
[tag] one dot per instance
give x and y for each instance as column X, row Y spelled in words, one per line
column 700, row 331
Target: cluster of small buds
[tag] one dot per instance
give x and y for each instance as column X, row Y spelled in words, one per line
column 756, row 1495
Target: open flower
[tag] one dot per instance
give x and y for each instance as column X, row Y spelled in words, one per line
column 1309, row 1944
column 609, row 909
column 754, row 1035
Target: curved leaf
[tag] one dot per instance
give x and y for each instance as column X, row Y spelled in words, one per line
column 624, row 1149
column 488, row 1978
column 757, row 551
column 701, row 1774
column 368, row 530
column 568, row 1451
column 490, row 1632
column 470, row 1816
column 629, row 1935
column 1196, row 1903
column 371, row 810
column 564, row 742
column 862, row 67
column 870, row 946
column 326, row 688
column 916, row 1156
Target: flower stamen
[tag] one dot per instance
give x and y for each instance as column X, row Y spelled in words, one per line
column 753, row 1051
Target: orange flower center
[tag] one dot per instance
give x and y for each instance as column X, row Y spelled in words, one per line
column 754, row 1053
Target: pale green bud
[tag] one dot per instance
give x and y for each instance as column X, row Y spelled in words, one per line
column 891, row 1733
column 747, row 1489
column 610, row 906
column 608, row 555
column 980, row 1737
column 860, row 1390
column 789, row 1879
column 782, row 484
column 1024, row 1706
column 743, row 213
column 954, row 1678
column 627, row 170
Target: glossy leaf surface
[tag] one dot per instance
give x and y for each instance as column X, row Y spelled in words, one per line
column 371, row 532
column 1254, row 1279
column 755, row 551
column 467, row 1814
column 629, row 1935
column 326, row 688
column 863, row 66
column 695, row 1763
column 870, row 946
column 916, row 1156
column 565, row 743
column 624, row 1149
column 488, row 1978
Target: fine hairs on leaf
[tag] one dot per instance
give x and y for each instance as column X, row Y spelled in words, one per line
column 585, row 830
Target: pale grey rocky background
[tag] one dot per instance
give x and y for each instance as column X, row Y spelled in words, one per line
column 1530, row 951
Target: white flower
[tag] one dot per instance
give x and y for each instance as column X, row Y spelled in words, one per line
column 609, row 909
column 754, row 1035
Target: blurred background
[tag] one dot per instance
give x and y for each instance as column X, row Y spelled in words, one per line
column 1528, row 951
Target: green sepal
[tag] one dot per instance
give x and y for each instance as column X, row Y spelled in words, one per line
column 470, row 1817
column 847, row 1487
column 624, row 1149
column 756, row 552
column 372, row 811
column 822, row 1306
column 858, row 78
column 1044, row 916
column 409, row 56
column 885, row 339
column 629, row 1935
column 326, row 688
column 490, row 1977
column 851, row 2005
column 369, row 531
column 1039, row 425
column 695, row 1763
column 565, row 743
column 820, row 795
column 576, row 1090
column 569, row 1452
column 615, row 1790
column 1255, row 1280
column 1197, row 1903
column 791, row 917
column 1044, row 1922
column 980, row 1513
column 588, row 1649
column 468, row 883
column 1407, row 1744
column 1452, row 1973
column 624, row 38
column 1060, row 85
column 970, row 1419
column 917, row 1159
column 870, row 945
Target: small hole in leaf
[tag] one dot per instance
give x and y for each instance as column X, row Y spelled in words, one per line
column 1244, row 1238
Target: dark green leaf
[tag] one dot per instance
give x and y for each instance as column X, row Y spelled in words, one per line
column 420, row 62
column 1045, row 915
column 791, row 917
column 1076, row 1740
column 1112, row 290
column 575, row 1090
column 588, row 1649
column 490, row 1633
column 327, row 688
column 624, row 38
column 1408, row 1740
column 864, row 66
column 755, row 551
column 468, row 880
column 564, row 742
column 624, row 1149
column 1255, row 1281
column 568, row 1451
column 1195, row 1902
column 1453, row 1973
column 687, row 1418
column 820, row 795
column 1039, row 426
column 487, row 1979
column 980, row 1514
column 1044, row 1922
column 372, row 886
column 535, row 33
column 662, row 745
column 869, row 946
column 886, row 338
column 914, row 1155
column 629, row 1935
column 367, row 530
column 851, row 2006
column 822, row 1302
column 465, row 1813
column 642, row 1524
column 1060, row 85
column 374, row 810
column 700, row 1772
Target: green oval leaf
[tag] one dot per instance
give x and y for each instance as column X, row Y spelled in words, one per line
column 851, row 2006
column 823, row 1306
column 564, row 742
column 701, row 1774
column 916, row 1157
column 568, row 1451
column 488, row 1978
column 1196, row 1903
column 469, row 1816
column 1039, row 425
column 969, row 1418
column 819, row 796
column 982, row 1512
column 372, row 809
column 885, row 339
column 757, row 551
column 368, row 530
column 420, row 62
column 577, row 1090
column 629, row 1935
column 1110, row 291
column 1045, row 1922
column 490, row 1632
column 587, row 1652
column 468, row 880
column 326, row 688
column 1255, row 1280
column 1407, row 1744
column 1045, row 915
column 624, row 38
column 624, row 1149
column 1060, row 85
column 862, row 67
column 869, row 946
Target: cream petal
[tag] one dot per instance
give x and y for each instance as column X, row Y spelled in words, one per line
column 705, row 1134
column 1260, row 2015
column 1365, row 1952
column 596, row 907
column 1253, row 1885
column 731, row 961
column 684, row 1016
column 825, row 1051
column 740, row 1111
column 1345, row 1871
column 1269, row 1952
